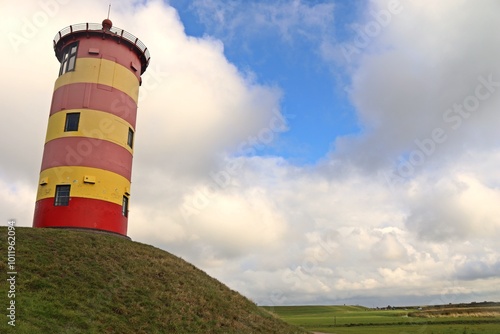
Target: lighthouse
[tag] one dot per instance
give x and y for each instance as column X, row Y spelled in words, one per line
column 85, row 177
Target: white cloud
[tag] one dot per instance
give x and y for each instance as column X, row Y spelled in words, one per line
column 389, row 248
column 289, row 20
column 478, row 269
column 409, row 78
column 456, row 206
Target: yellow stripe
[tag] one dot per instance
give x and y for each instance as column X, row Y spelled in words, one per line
column 102, row 71
column 107, row 186
column 93, row 124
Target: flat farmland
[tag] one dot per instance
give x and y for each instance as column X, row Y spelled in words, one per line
column 480, row 318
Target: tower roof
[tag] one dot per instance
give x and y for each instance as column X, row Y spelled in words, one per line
column 106, row 30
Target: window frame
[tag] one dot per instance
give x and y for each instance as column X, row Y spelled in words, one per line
column 125, row 204
column 69, row 124
column 62, row 195
column 68, row 60
column 130, row 138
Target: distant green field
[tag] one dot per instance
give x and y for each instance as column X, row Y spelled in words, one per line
column 362, row 320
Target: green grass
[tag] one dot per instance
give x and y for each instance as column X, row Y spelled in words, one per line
column 82, row 282
column 361, row 320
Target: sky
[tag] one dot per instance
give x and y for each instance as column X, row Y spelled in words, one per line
column 301, row 152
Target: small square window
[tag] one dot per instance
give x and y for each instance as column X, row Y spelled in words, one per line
column 125, row 206
column 130, row 139
column 62, row 195
column 72, row 120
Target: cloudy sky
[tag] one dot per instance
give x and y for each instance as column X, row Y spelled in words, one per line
column 302, row 152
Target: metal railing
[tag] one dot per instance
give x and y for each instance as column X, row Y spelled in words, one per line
column 115, row 32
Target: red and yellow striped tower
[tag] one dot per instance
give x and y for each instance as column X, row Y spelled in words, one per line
column 87, row 159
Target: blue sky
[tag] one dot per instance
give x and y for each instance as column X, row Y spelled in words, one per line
column 382, row 189
column 315, row 100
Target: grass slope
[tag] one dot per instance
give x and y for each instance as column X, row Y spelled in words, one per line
column 81, row 282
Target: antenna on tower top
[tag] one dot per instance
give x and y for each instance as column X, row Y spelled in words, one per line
column 107, row 24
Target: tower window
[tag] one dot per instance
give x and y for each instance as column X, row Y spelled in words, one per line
column 130, row 139
column 68, row 60
column 125, row 206
column 72, row 120
column 62, row 195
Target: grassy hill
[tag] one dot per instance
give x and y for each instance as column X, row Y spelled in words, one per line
column 81, row 282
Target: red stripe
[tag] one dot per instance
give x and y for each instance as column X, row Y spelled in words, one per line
column 87, row 152
column 121, row 54
column 81, row 213
column 88, row 95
